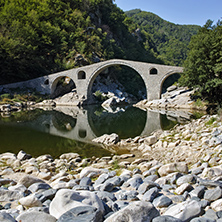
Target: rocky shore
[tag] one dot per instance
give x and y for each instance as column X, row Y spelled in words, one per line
column 174, row 98
column 178, row 177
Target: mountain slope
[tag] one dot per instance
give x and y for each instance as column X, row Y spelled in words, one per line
column 171, row 40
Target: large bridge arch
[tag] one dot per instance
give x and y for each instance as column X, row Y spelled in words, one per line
column 111, row 63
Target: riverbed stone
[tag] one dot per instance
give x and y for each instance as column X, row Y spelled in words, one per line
column 8, row 195
column 83, row 214
column 137, row 211
column 213, row 194
column 106, row 139
column 217, row 205
column 184, row 211
column 5, row 217
column 166, row 218
column 66, row 199
column 28, row 180
column 30, row 201
column 198, row 191
column 35, row 217
column 186, row 179
column 38, row 186
column 162, row 201
column 151, row 194
column 173, row 167
column 92, row 172
column 184, row 187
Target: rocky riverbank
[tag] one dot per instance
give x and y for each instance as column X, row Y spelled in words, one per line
column 177, row 178
column 174, row 98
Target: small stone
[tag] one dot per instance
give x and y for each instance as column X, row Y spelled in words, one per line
column 162, row 201
column 30, row 201
column 29, row 180
column 213, row 194
column 151, row 194
column 173, row 167
column 23, row 156
column 184, row 187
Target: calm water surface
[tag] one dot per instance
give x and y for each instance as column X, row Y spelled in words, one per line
column 68, row 129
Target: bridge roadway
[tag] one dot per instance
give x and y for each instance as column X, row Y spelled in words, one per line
column 153, row 76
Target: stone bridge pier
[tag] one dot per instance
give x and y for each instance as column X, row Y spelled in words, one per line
column 153, row 76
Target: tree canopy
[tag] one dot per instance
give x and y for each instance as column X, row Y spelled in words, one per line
column 203, row 66
column 169, row 40
column 39, row 37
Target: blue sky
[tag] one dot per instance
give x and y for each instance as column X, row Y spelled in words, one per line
column 195, row 12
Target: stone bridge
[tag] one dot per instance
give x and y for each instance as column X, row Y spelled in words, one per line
column 153, row 76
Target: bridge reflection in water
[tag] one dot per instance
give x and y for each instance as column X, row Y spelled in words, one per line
column 86, row 124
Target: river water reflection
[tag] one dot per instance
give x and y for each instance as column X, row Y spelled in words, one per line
column 71, row 129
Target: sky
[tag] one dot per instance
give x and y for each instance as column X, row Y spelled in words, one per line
column 188, row 12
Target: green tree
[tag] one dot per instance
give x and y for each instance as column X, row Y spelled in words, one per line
column 203, row 66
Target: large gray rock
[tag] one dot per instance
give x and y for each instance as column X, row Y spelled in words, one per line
column 66, row 199
column 35, row 217
column 185, row 211
column 4, row 217
column 138, row 211
column 82, row 214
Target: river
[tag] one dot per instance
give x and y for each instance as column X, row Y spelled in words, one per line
column 71, row 129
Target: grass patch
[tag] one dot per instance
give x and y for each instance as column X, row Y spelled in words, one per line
column 210, row 121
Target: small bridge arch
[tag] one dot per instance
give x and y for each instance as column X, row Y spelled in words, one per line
column 162, row 80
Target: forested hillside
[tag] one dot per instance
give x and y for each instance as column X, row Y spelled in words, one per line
column 39, row 37
column 170, row 40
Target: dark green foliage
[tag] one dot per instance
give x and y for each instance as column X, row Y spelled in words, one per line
column 203, row 67
column 40, row 37
column 169, row 40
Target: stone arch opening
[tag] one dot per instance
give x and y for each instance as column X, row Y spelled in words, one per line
column 117, row 80
column 81, row 75
column 61, row 86
column 153, row 71
column 46, row 82
column 82, row 133
column 62, row 122
column 169, row 81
